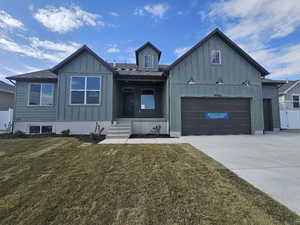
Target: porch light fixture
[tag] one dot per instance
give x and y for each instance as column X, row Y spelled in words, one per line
column 246, row 83
column 191, row 81
column 220, row 82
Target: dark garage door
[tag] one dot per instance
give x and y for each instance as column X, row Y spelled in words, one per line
column 215, row 116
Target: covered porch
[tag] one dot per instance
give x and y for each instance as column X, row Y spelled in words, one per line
column 141, row 102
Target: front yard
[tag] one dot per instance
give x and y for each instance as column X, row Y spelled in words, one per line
column 63, row 181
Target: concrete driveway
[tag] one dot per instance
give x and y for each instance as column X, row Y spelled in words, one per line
column 270, row 162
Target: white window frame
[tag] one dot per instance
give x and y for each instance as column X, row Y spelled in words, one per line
column 40, row 104
column 152, row 63
column 220, row 57
column 85, row 90
column 293, row 101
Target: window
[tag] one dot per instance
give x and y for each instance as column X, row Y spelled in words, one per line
column 40, row 129
column 46, row 129
column 296, row 102
column 34, row 129
column 85, row 90
column 148, row 59
column 215, row 57
column 147, row 100
column 41, row 94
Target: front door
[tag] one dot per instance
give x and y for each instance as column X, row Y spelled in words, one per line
column 129, row 104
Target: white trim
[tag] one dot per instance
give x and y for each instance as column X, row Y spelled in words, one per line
column 220, row 57
column 40, row 103
column 152, row 63
column 291, row 87
column 85, row 91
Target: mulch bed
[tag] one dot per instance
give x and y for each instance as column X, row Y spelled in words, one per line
column 83, row 138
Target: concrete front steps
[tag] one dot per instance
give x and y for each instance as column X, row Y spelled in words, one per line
column 121, row 130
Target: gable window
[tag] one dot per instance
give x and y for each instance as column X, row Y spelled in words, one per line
column 41, row 94
column 296, row 102
column 215, row 57
column 85, row 90
column 148, row 59
column 148, row 100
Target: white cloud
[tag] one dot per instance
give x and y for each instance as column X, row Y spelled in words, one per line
column 180, row 51
column 54, row 46
column 114, row 14
column 63, row 19
column 254, row 24
column 156, row 10
column 51, row 51
column 8, row 22
column 259, row 18
column 139, row 12
column 113, row 49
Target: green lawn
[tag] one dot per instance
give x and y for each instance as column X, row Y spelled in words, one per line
column 125, row 185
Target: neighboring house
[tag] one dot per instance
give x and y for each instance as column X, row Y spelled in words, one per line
column 214, row 88
column 289, row 95
column 7, row 96
column 289, row 100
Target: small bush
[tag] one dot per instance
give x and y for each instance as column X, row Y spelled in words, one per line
column 66, row 132
column 19, row 134
column 94, row 136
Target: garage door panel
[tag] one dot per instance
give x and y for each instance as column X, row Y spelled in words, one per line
column 194, row 122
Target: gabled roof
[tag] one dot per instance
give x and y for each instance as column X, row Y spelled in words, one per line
column 147, row 44
column 4, row 87
column 261, row 69
column 288, row 86
column 37, row 75
column 76, row 53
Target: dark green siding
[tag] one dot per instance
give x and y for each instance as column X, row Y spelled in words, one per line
column 85, row 65
column 148, row 51
column 23, row 112
column 271, row 92
column 234, row 70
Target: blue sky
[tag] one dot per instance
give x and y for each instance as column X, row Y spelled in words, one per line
column 38, row 34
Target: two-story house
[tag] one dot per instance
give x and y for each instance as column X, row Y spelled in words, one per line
column 214, row 88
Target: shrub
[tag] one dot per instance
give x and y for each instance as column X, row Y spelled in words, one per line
column 66, row 132
column 19, row 134
column 93, row 136
column 156, row 130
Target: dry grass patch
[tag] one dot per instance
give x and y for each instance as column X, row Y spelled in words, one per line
column 128, row 185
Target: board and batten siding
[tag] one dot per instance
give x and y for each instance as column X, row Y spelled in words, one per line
column 23, row 112
column 85, row 65
column 148, row 51
column 271, row 92
column 234, row 70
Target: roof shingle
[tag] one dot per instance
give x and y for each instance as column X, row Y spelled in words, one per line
column 37, row 75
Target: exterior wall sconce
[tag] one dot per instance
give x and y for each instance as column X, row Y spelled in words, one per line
column 191, row 81
column 246, row 83
column 220, row 82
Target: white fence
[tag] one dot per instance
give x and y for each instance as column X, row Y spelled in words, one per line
column 289, row 115
column 6, row 118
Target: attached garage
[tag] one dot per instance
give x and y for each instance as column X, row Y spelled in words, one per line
column 215, row 116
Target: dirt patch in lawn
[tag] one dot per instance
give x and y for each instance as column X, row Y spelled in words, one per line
column 130, row 185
